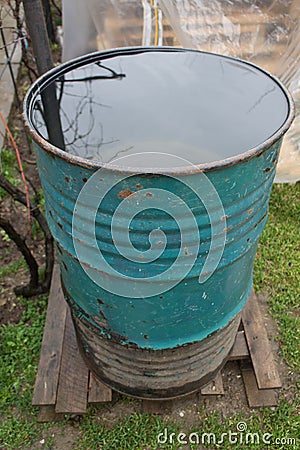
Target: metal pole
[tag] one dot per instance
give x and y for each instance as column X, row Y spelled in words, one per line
column 36, row 25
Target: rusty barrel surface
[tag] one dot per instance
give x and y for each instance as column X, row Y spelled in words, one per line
column 157, row 263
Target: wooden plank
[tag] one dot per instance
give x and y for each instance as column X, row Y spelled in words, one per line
column 74, row 375
column 45, row 388
column 259, row 346
column 256, row 397
column 48, row 414
column 98, row 392
column 214, row 387
column 240, row 349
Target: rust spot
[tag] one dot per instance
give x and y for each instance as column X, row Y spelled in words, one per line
column 59, row 248
column 102, row 314
column 67, row 179
column 100, row 322
column 60, row 191
column 60, row 225
column 119, row 339
column 141, row 256
column 100, row 301
column 267, row 169
column 148, row 194
column 224, row 217
column 226, row 179
column 66, row 269
column 139, row 186
column 227, row 229
column 250, row 211
column 131, row 345
column 125, row 193
column 146, row 336
column 261, row 219
column 84, row 180
column 150, row 175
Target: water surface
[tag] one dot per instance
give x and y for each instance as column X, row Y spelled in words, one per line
column 198, row 106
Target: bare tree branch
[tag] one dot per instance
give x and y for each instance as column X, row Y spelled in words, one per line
column 35, row 212
column 29, row 258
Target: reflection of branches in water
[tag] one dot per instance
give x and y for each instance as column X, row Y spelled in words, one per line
column 78, row 126
column 257, row 102
column 113, row 73
column 115, row 156
column 78, row 123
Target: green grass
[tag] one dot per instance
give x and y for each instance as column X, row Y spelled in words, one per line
column 134, row 432
column 8, row 167
column 20, row 348
column 276, row 273
column 281, row 423
column 141, row 431
column 13, row 267
column 277, row 267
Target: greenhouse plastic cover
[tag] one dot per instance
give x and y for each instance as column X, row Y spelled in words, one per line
column 265, row 32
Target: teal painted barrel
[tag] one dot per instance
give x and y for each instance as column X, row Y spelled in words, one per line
column 156, row 205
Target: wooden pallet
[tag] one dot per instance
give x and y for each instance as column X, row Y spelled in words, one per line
column 64, row 384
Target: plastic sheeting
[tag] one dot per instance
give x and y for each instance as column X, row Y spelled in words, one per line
column 266, row 32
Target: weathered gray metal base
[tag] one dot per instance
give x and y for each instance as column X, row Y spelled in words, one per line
column 156, row 374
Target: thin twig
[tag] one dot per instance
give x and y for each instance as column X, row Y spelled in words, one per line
column 15, row 41
column 20, row 166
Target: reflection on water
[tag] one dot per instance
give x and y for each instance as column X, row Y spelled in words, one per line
column 201, row 107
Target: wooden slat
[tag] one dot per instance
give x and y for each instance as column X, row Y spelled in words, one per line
column 259, row 346
column 256, row 397
column 48, row 414
column 98, row 392
column 240, row 348
column 45, row 388
column 74, row 375
column 215, row 386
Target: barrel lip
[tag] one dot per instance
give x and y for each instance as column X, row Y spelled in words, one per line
column 54, row 151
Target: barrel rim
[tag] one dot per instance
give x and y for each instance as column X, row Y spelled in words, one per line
column 54, row 151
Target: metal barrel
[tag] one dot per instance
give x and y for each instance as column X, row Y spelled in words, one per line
column 156, row 264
